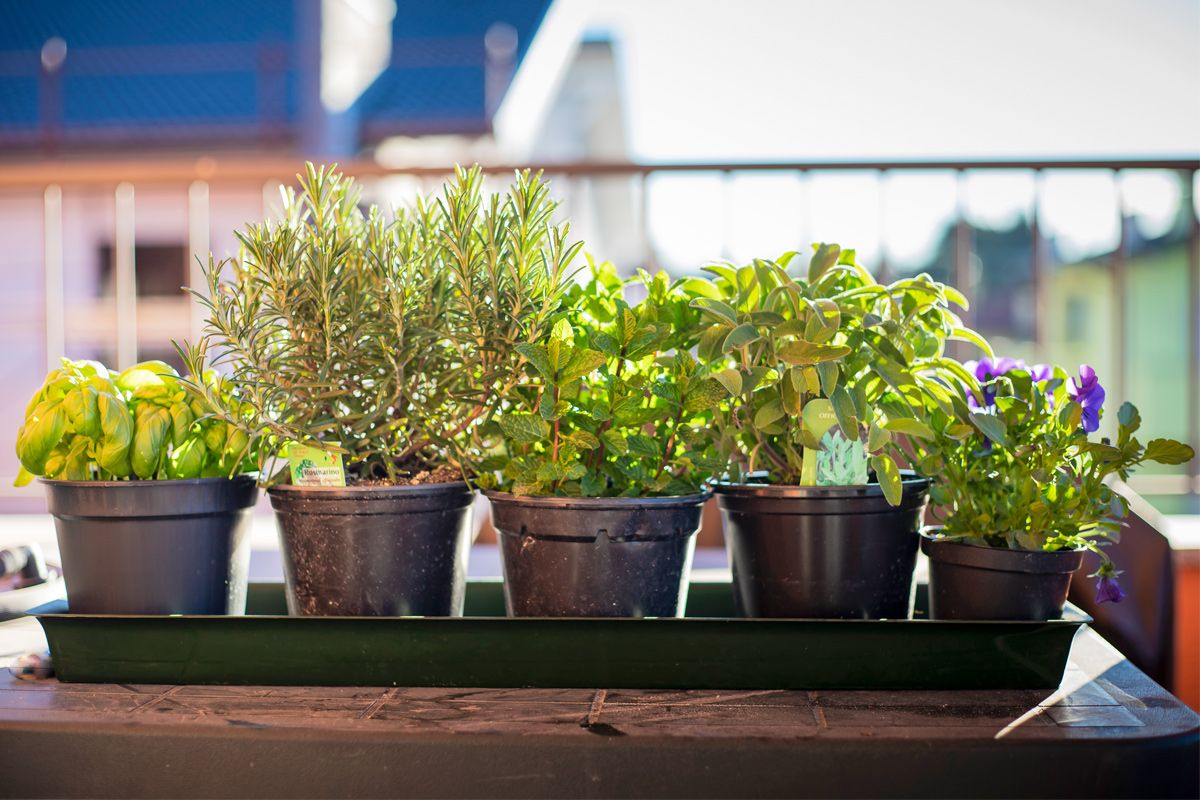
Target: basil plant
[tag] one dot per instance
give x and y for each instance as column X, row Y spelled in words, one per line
column 778, row 337
column 614, row 403
column 86, row 423
column 1028, row 476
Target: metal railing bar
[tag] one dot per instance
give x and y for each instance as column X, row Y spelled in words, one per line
column 198, row 250
column 1120, row 284
column 26, row 173
column 125, row 276
column 55, row 308
column 1037, row 267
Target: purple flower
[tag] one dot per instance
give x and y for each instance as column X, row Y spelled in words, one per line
column 1087, row 391
column 1108, row 590
column 987, row 370
column 1041, row 372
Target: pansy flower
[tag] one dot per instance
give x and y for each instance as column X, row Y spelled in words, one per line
column 1087, row 391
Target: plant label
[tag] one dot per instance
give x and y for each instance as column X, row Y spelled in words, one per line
column 313, row 466
column 842, row 459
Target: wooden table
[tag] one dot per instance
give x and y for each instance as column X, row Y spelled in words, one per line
column 1108, row 730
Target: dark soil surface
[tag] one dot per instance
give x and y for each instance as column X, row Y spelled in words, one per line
column 439, row 475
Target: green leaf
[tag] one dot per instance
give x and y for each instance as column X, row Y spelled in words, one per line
column 584, row 440
column 769, row 412
column 802, row 353
column 580, row 363
column 562, row 331
column 524, row 428
column 615, row 442
column 826, row 256
column 731, row 379
column 709, row 347
column 706, row 394
column 843, row 407
column 642, row 445
column 909, row 427
column 722, row 312
column 964, row 334
column 888, row 475
column 699, row 287
column 877, row 437
column 1168, row 451
column 536, row 355
column 740, row 336
column 991, row 426
column 150, row 437
column 828, row 373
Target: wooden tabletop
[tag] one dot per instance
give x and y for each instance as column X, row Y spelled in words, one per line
column 1107, row 730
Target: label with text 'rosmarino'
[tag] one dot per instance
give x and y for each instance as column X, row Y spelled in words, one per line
column 314, row 466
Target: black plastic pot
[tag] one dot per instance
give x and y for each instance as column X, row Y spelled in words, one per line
column 968, row 581
column 822, row 552
column 154, row 547
column 366, row 551
column 596, row 557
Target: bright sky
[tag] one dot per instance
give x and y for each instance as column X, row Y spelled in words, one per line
column 759, row 80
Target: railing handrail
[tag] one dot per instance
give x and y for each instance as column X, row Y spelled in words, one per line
column 102, row 171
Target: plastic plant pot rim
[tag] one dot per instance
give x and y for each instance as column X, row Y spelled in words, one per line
column 287, row 490
column 998, row 559
column 910, row 484
column 597, row 503
column 146, row 499
column 145, row 483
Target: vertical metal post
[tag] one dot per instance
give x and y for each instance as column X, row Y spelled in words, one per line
column 885, row 268
column 271, row 201
column 1193, row 327
column 726, row 213
column 648, row 260
column 52, row 242
column 961, row 269
column 1120, row 289
column 1037, row 270
column 125, row 277
column 198, row 250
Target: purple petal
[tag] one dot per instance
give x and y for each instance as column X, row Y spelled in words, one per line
column 1108, row 590
column 1041, row 372
column 1090, row 419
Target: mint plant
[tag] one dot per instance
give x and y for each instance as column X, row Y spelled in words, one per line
column 615, row 403
column 384, row 338
column 87, row 423
column 1029, row 477
column 777, row 338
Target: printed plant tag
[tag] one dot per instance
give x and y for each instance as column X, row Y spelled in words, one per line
column 842, row 459
column 312, row 466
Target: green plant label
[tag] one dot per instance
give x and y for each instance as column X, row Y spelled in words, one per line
column 842, row 460
column 312, row 466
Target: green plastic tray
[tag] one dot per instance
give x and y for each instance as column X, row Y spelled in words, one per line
column 708, row 649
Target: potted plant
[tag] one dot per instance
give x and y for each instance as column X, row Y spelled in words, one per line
column 376, row 345
column 1026, row 492
column 831, row 379
column 602, row 455
column 137, row 475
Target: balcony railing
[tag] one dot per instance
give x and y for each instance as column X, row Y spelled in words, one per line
column 126, row 323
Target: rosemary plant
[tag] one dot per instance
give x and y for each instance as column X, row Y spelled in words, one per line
column 386, row 339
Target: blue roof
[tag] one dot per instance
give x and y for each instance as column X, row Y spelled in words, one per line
column 227, row 71
column 437, row 77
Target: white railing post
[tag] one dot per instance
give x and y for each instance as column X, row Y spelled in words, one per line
column 198, row 249
column 52, row 228
column 125, row 277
